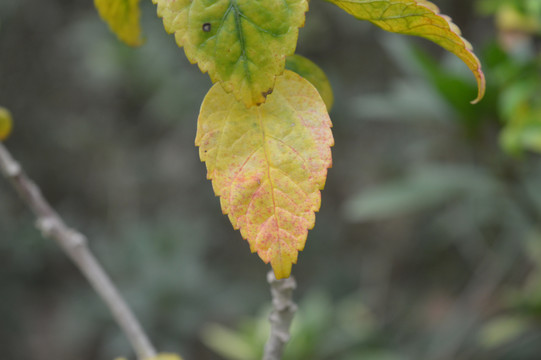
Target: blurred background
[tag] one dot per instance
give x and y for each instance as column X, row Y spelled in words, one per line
column 427, row 245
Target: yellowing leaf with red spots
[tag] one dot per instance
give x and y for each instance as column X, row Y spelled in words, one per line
column 268, row 164
column 241, row 43
column 123, row 17
column 420, row 18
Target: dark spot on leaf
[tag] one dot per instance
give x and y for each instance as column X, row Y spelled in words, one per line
column 266, row 93
column 206, row 27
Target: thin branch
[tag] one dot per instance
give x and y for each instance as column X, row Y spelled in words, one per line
column 283, row 310
column 75, row 245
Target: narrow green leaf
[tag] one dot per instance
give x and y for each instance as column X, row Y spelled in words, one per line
column 228, row 343
column 422, row 189
column 502, row 330
column 163, row 356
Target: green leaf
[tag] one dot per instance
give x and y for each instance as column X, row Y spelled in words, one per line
column 313, row 73
column 268, row 164
column 419, row 18
column 6, row 123
column 502, row 330
column 524, row 133
column 241, row 43
column 163, row 356
column 510, row 18
column 520, row 107
column 228, row 343
column 514, row 15
column 123, row 18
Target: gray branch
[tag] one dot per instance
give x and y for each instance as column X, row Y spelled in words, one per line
column 283, row 310
column 75, row 245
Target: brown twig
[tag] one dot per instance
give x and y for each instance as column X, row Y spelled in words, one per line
column 75, row 246
column 283, row 310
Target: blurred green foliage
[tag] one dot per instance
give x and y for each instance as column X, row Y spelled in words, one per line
column 427, row 245
column 518, row 14
column 322, row 329
column 516, row 68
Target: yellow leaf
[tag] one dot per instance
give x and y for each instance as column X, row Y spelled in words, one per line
column 419, row 18
column 6, row 123
column 240, row 43
column 123, row 17
column 268, row 164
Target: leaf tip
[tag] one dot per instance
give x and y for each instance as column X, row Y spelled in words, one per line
column 419, row 18
column 481, row 86
column 123, row 19
column 281, row 268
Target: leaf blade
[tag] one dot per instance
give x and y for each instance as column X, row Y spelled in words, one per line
column 240, row 43
column 418, row 18
column 6, row 123
column 313, row 73
column 123, row 18
column 268, row 165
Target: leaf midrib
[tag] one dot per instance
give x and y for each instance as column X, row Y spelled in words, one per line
column 268, row 163
column 238, row 24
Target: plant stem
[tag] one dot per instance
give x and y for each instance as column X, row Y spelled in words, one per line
column 283, row 310
column 75, row 246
